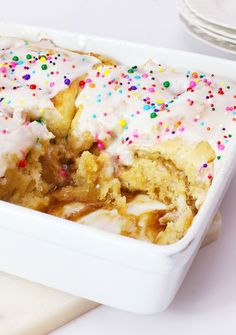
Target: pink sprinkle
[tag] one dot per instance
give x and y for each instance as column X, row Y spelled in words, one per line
column 101, row 145
column 88, row 80
column 4, row 131
column 13, row 64
column 3, row 69
column 52, row 84
column 192, row 84
column 138, row 112
column 181, row 129
column 144, row 75
column 135, row 135
column 160, row 123
column 221, row 146
column 63, row 173
column 167, row 130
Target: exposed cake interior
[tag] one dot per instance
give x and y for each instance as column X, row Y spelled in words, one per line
column 132, row 150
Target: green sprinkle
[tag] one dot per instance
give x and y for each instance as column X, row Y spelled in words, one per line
column 218, row 157
column 40, row 121
column 28, row 56
column 166, row 83
column 44, row 67
column 230, row 135
column 15, row 58
column 153, row 115
column 131, row 71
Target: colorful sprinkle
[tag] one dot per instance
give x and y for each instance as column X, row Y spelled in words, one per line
column 122, row 123
column 67, row 81
column 166, row 84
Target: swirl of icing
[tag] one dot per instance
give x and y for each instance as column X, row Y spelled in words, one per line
column 127, row 107
column 31, row 74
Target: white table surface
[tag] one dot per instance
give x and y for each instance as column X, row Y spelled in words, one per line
column 206, row 303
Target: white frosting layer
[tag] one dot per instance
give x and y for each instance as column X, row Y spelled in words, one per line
column 128, row 107
column 31, row 74
column 17, row 137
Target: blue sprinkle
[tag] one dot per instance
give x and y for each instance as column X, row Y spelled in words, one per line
column 94, row 116
column 120, row 91
column 146, row 107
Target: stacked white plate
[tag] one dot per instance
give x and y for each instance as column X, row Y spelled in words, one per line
column 212, row 21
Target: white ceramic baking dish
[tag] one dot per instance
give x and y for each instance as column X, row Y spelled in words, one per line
column 114, row 270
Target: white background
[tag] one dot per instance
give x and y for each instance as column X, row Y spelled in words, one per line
column 206, row 303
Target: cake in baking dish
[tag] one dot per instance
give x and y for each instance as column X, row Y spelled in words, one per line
column 131, row 150
column 39, row 83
